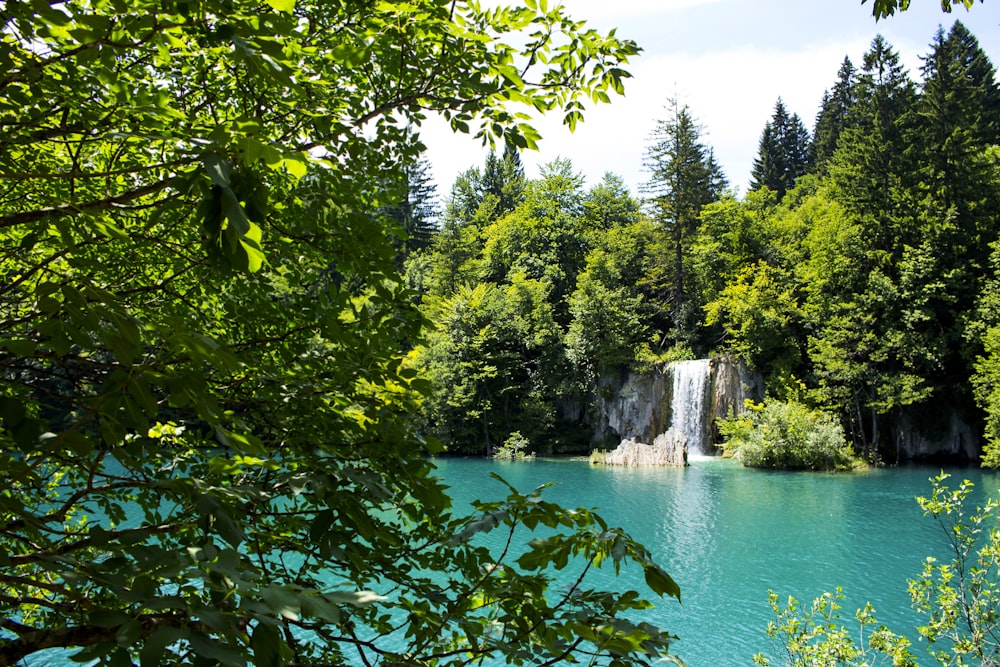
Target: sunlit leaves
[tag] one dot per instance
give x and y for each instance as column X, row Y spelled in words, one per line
column 883, row 8
column 208, row 451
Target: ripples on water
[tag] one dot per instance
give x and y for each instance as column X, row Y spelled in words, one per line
column 728, row 535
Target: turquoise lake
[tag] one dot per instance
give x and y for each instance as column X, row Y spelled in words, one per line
column 728, row 534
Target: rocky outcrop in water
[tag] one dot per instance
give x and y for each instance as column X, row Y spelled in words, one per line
column 668, row 449
column 641, row 406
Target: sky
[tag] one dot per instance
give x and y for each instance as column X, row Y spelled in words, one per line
column 729, row 61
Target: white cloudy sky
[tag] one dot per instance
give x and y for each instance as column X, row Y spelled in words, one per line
column 729, row 61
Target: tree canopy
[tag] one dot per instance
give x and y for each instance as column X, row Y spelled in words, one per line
column 207, row 454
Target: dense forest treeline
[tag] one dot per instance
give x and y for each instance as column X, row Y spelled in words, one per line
column 859, row 273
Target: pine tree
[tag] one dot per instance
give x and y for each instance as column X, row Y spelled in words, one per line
column 416, row 211
column 503, row 178
column 958, row 111
column 872, row 165
column 959, row 115
column 833, row 115
column 684, row 177
column 783, row 154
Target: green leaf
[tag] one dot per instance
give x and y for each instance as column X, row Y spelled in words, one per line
column 19, row 347
column 283, row 601
column 282, row 5
column 356, row 598
column 219, row 169
column 213, row 649
column 129, row 633
column 266, row 644
column 153, row 647
column 12, row 412
column 296, row 164
column 660, row 582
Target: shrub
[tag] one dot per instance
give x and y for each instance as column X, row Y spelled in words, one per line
column 787, row 436
column 514, row 448
column 960, row 600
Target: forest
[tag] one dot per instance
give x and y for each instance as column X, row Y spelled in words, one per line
column 225, row 371
column 858, row 273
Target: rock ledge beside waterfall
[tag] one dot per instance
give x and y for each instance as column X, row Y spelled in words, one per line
column 668, row 449
column 687, row 396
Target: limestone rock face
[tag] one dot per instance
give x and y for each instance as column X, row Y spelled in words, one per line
column 642, row 406
column 668, row 449
column 940, row 434
column 634, row 409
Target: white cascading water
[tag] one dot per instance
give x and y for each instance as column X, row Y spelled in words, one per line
column 687, row 403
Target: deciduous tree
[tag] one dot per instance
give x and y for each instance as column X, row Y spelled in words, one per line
column 207, row 452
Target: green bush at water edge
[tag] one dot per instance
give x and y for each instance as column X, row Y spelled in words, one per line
column 786, row 436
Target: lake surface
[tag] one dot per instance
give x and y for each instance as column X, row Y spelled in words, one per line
column 728, row 534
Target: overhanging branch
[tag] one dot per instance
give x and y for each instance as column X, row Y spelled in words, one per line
column 35, row 215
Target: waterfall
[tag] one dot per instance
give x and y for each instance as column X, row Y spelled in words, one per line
column 687, row 401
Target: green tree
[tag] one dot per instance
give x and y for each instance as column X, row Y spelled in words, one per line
column 871, row 166
column 493, row 359
column 207, row 449
column 784, row 152
column 957, row 121
column 609, row 204
column 833, row 115
column 544, row 238
column 983, row 329
column 415, row 207
column 611, row 318
column 503, row 179
column 684, row 177
column 759, row 310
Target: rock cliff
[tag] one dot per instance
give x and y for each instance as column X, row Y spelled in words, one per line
column 641, row 406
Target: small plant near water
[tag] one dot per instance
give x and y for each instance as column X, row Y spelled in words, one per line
column 514, row 448
column 960, row 600
column 786, row 435
column 598, row 457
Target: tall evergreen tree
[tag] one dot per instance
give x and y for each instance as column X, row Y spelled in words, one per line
column 833, row 115
column 684, row 177
column 874, row 346
column 416, row 211
column 872, row 162
column 957, row 122
column 959, row 114
column 503, row 178
column 783, row 154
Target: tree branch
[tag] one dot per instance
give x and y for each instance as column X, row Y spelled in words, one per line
column 13, row 651
column 25, row 217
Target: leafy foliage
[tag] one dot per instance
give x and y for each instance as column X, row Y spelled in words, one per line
column 884, row 8
column 531, row 305
column 207, row 451
column 786, row 436
column 814, row 636
column 960, row 600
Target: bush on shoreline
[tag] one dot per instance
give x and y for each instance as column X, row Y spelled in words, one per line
column 787, row 436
